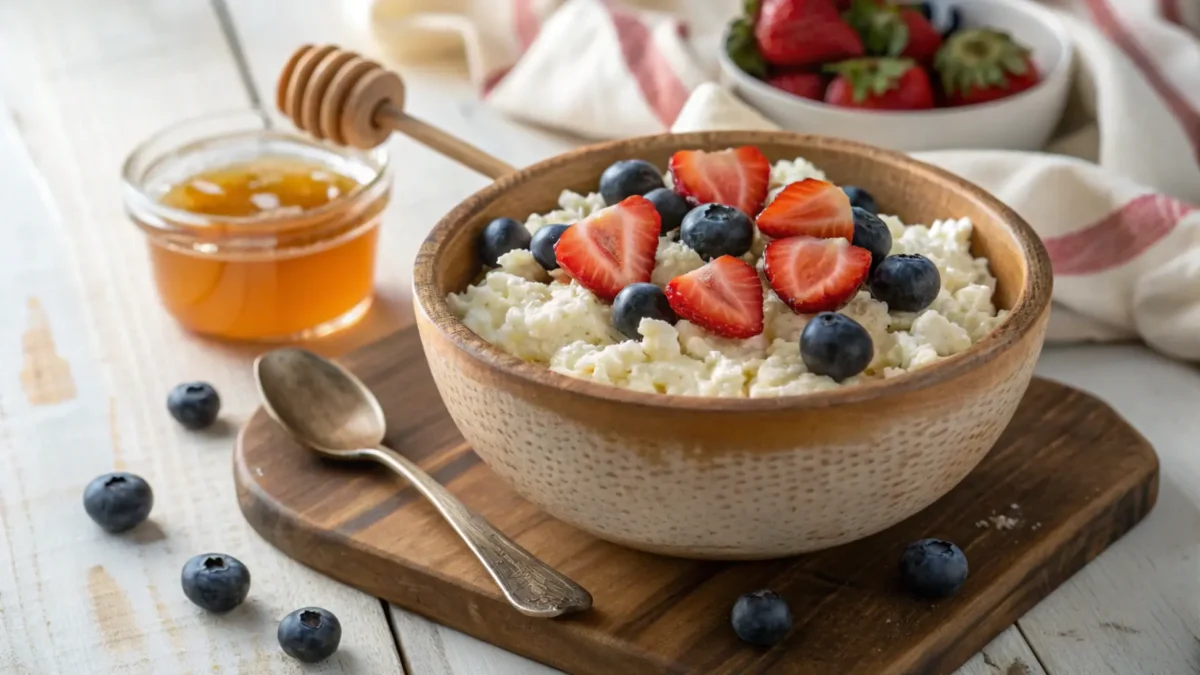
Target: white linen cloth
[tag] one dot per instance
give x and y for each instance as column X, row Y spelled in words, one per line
column 1114, row 197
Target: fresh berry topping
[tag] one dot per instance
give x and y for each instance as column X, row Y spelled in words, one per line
column 815, row 275
column 861, row 198
column 737, row 177
column 640, row 301
column 118, row 501
column 628, row 178
column 215, row 581
column 804, row 85
column 742, row 46
column 499, row 237
column 980, row 65
column 611, row 248
column 880, row 84
column 310, row 635
column 835, row 345
column 714, row 230
column 906, row 282
column 195, row 405
column 804, row 33
column 671, row 207
column 542, row 245
column 761, row 618
column 724, row 297
column 812, row 208
column 872, row 234
column 933, row 568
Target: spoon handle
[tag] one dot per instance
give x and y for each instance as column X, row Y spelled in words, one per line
column 530, row 585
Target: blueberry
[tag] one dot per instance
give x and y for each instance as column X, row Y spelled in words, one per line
column 640, row 301
column 872, row 234
column 714, row 230
column 761, row 618
column 215, row 581
column 835, row 345
column 310, row 634
column 627, row 178
column 861, row 198
column 118, row 501
column 933, row 568
column 542, row 245
column 499, row 237
column 671, row 207
column 195, row 405
column 906, row 282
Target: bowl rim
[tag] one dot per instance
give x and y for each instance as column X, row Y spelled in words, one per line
column 1032, row 301
column 1046, row 17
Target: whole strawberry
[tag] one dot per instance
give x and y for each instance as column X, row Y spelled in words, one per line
column 802, row 84
column 742, row 46
column 880, row 84
column 892, row 30
column 804, row 33
column 980, row 65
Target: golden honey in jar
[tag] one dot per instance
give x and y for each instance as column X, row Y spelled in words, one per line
column 256, row 234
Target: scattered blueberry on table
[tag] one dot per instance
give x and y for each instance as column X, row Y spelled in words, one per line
column 671, row 207
column 215, row 581
column 640, row 301
column 861, row 199
column 310, row 634
column 118, row 501
column 542, row 245
column 872, row 234
column 714, row 230
column 835, row 345
column 501, row 236
column 627, row 178
column 761, row 618
column 195, row 405
column 906, row 282
column 933, row 568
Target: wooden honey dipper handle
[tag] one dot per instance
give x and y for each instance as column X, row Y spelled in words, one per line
column 340, row 96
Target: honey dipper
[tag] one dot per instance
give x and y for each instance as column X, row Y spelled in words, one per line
column 337, row 95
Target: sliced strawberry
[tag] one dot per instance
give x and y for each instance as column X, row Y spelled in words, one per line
column 724, row 297
column 812, row 208
column 737, row 177
column 611, row 248
column 815, row 275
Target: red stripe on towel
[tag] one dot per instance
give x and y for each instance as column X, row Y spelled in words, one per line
column 1170, row 11
column 1110, row 25
column 656, row 79
column 526, row 26
column 1118, row 237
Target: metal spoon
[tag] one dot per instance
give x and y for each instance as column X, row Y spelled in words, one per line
column 326, row 408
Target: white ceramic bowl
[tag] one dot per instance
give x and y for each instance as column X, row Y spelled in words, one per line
column 1021, row 122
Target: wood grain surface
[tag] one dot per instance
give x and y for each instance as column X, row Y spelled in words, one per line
column 1070, row 474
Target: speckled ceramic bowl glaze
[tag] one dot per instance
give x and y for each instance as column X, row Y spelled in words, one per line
column 736, row 478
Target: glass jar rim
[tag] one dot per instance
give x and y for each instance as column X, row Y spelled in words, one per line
column 147, row 154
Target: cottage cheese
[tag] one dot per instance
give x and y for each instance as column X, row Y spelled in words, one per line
column 564, row 326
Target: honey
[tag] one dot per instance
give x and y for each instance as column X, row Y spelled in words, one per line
column 260, row 235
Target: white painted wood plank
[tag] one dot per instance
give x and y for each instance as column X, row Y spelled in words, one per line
column 1136, row 608
column 90, row 356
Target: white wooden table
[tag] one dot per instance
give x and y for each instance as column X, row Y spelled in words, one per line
column 87, row 356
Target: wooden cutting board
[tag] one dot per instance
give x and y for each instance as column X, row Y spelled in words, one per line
column 1072, row 474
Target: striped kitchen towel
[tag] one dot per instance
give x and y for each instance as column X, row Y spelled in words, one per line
column 1114, row 197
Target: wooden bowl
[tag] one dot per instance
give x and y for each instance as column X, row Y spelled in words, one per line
column 730, row 478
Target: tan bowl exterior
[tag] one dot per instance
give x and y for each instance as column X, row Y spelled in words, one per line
column 735, row 478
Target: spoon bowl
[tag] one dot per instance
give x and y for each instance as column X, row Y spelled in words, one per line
column 319, row 402
column 328, row 409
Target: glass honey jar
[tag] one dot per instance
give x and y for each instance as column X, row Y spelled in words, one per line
column 255, row 233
